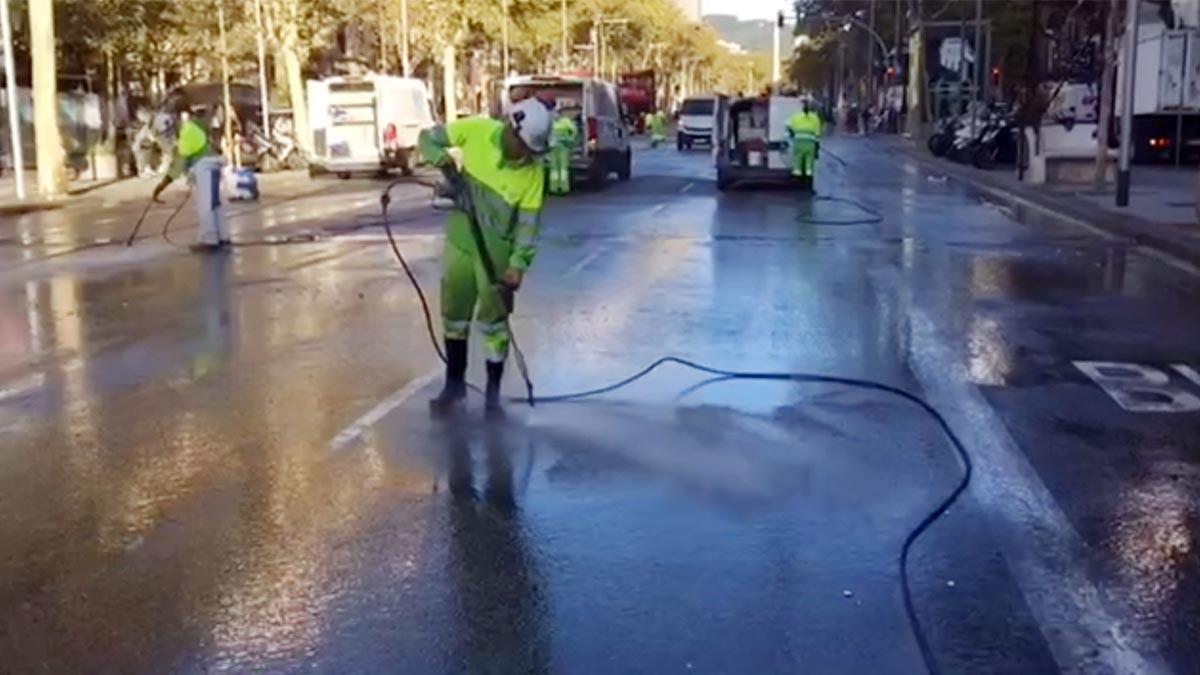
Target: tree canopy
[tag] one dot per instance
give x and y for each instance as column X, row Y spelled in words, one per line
column 157, row 44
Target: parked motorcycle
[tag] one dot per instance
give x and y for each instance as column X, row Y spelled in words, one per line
column 272, row 153
column 999, row 141
column 962, row 147
column 942, row 137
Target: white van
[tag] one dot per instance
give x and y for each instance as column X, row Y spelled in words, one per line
column 596, row 105
column 752, row 141
column 366, row 123
column 695, row 122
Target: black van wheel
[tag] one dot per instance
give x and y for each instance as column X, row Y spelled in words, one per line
column 597, row 172
column 723, row 181
column 625, row 168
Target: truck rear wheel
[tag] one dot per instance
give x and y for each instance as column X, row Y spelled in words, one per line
column 723, row 182
column 597, row 172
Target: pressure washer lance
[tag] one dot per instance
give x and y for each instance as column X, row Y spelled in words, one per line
column 137, row 227
column 504, row 293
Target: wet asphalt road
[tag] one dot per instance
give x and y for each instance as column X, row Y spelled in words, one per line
column 225, row 463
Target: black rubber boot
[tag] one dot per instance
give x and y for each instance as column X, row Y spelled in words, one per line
column 455, row 389
column 492, row 407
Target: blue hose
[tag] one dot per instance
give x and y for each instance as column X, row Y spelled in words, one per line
column 914, row 621
column 870, row 385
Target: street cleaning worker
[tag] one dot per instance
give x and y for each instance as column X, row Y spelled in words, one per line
column 657, row 124
column 804, row 131
column 194, row 156
column 502, row 181
column 564, row 136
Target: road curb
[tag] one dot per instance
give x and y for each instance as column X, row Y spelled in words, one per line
column 1129, row 228
column 22, row 208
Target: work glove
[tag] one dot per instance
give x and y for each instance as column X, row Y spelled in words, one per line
column 450, row 192
column 508, row 296
column 507, row 287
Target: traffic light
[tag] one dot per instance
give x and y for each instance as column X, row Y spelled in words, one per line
column 995, row 76
column 778, row 19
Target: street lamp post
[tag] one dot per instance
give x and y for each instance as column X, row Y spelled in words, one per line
column 1131, row 23
column 10, row 89
column 264, row 95
column 775, row 49
column 405, row 64
column 871, row 62
column 977, row 69
column 504, row 35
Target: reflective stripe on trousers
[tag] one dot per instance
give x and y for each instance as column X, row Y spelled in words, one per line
column 467, row 293
column 205, row 176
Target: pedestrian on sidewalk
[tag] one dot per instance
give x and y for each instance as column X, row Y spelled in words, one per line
column 488, row 248
column 194, row 156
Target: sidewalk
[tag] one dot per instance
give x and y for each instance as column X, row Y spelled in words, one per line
column 11, row 205
column 109, row 193
column 1161, row 214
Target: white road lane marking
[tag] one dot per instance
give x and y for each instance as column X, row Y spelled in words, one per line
column 346, row 437
column 1139, row 388
column 685, row 188
column 1046, row 555
column 581, row 265
column 1188, row 372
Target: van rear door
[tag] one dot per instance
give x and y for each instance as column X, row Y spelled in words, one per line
column 403, row 104
column 721, row 131
column 353, row 131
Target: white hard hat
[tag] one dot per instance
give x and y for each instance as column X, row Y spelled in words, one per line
column 531, row 119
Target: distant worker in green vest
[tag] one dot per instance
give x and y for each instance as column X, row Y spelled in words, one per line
column 804, row 131
column 564, row 136
column 488, row 250
column 194, row 156
column 657, row 124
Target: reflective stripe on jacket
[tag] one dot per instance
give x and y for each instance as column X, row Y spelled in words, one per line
column 507, row 195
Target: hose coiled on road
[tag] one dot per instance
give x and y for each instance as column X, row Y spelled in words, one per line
column 938, row 511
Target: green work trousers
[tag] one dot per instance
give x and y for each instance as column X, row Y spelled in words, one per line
column 468, row 293
column 560, row 171
column 803, row 154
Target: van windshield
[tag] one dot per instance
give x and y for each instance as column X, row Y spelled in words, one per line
column 697, row 106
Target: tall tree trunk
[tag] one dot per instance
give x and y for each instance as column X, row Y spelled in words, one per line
column 1107, row 83
column 290, row 46
column 450, row 82
column 52, row 179
column 110, row 93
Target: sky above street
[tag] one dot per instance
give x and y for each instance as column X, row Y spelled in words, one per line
column 744, row 9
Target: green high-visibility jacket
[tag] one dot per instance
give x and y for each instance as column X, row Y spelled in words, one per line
column 565, row 133
column 656, row 123
column 191, row 147
column 507, row 195
column 805, row 126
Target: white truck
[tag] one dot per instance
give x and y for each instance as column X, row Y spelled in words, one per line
column 1166, row 97
column 366, row 124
